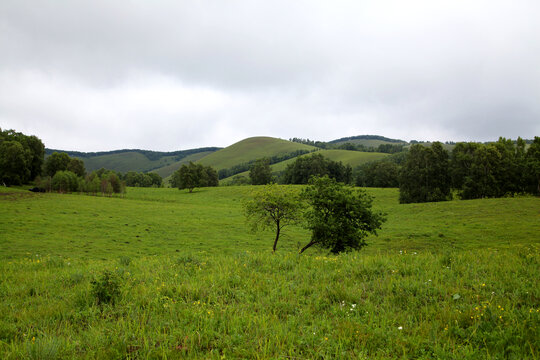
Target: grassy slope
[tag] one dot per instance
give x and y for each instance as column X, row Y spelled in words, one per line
column 167, row 170
column 251, row 149
column 348, row 157
column 135, row 161
column 443, row 280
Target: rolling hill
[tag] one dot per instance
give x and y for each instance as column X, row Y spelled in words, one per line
column 163, row 163
column 347, row 157
column 251, row 149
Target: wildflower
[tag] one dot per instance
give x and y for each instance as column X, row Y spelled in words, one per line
column 483, row 284
column 325, row 339
column 400, row 328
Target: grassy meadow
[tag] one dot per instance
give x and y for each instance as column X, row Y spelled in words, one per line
column 162, row 273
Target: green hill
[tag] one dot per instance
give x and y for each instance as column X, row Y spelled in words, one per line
column 163, row 163
column 251, row 149
column 347, row 157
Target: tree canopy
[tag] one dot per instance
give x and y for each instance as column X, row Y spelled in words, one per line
column 21, row 157
column 305, row 167
column 425, row 176
column 193, row 175
column 340, row 217
column 260, row 172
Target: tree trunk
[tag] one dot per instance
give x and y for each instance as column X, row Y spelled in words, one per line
column 278, row 229
column 312, row 242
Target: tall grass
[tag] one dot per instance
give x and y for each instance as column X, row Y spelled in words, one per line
column 451, row 280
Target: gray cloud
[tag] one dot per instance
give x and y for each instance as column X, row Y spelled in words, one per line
column 171, row 75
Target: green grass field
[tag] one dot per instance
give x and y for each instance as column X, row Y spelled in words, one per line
column 442, row 280
column 251, row 149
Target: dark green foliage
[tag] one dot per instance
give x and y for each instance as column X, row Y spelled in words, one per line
column 106, row 289
column 532, row 165
column 193, row 175
column 14, row 168
column 77, row 166
column 390, row 148
column 340, row 217
column 211, row 176
column 316, row 165
column 492, row 170
column 19, row 166
column 382, row 173
column 425, row 176
column 260, row 172
column 139, row 179
column 65, row 181
column 56, row 162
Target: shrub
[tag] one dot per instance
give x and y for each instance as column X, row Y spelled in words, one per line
column 107, row 288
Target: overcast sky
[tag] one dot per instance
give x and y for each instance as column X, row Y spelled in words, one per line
column 169, row 75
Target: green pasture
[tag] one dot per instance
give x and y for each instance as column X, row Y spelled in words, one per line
column 445, row 280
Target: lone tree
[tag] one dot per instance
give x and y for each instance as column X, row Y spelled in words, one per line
column 340, row 217
column 260, row 172
column 193, row 175
column 274, row 206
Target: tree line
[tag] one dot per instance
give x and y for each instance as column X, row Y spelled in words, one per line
column 22, row 160
column 470, row 171
column 346, row 143
column 63, row 173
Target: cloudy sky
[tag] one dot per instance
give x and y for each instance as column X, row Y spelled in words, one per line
column 170, row 75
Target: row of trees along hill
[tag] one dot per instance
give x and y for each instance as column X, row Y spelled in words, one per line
column 391, row 146
column 21, row 157
column 473, row 170
column 301, row 170
column 65, row 174
column 22, row 160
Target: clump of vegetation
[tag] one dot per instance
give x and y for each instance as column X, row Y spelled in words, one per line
column 106, row 289
column 260, row 172
column 306, row 167
column 340, row 218
column 192, row 176
column 21, row 157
